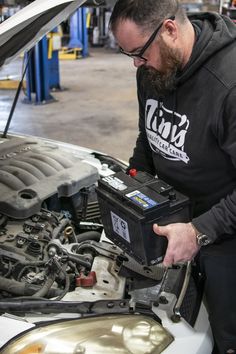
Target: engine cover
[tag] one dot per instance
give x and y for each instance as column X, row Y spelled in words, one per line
column 32, row 170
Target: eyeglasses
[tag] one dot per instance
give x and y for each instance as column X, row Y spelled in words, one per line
column 139, row 55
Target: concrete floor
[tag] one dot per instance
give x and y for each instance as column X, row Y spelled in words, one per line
column 98, row 108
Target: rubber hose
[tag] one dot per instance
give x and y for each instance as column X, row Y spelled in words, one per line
column 23, row 289
column 67, row 284
column 89, row 235
column 58, row 229
column 46, row 286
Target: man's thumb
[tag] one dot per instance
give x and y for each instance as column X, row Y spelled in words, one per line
column 159, row 229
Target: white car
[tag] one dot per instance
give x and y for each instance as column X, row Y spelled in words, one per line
column 73, row 276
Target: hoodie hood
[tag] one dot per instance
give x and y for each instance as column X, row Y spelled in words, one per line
column 213, row 32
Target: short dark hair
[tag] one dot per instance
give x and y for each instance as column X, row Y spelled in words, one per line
column 145, row 13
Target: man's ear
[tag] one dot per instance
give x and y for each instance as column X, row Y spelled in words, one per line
column 170, row 30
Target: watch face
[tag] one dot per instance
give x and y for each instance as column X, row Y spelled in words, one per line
column 203, row 240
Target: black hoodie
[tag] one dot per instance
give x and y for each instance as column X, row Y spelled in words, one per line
column 188, row 137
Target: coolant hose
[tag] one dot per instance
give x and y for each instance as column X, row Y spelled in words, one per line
column 46, row 286
column 23, row 289
column 88, row 235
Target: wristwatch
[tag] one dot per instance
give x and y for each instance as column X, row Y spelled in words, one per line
column 202, row 239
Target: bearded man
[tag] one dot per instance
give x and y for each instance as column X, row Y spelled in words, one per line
column 186, row 81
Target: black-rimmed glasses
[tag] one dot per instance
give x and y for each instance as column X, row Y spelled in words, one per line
column 139, row 55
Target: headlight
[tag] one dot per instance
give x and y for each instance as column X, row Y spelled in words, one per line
column 120, row 334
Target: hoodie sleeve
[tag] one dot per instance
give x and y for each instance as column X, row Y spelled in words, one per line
column 142, row 154
column 220, row 220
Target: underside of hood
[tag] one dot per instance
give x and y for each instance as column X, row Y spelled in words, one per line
column 21, row 31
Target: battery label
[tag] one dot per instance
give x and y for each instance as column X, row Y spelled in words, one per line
column 120, row 226
column 115, row 183
column 141, row 199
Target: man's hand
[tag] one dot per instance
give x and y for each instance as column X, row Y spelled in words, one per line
column 182, row 242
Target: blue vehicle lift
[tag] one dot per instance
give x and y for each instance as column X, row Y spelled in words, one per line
column 78, row 43
column 37, row 75
column 42, row 74
column 78, row 31
column 53, row 59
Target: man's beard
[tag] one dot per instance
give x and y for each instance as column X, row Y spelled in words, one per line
column 165, row 80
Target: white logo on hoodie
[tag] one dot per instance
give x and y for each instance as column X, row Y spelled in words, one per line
column 166, row 133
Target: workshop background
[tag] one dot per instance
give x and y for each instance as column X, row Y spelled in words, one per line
column 78, row 87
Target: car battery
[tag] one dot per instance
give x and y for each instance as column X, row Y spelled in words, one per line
column 131, row 204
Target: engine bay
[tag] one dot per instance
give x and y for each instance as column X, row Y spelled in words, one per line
column 52, row 241
column 49, row 213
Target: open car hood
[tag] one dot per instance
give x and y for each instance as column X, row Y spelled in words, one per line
column 21, row 31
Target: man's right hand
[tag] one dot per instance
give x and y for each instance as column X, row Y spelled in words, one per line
column 182, row 242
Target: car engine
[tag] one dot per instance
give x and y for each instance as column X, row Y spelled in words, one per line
column 52, row 242
column 44, row 256
column 50, row 226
